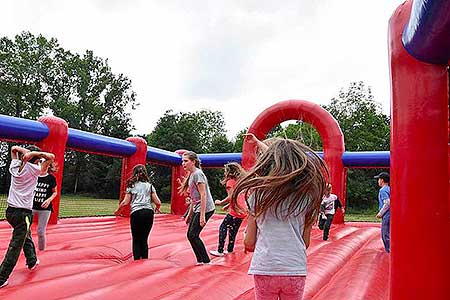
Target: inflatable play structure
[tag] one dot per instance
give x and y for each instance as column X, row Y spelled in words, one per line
column 90, row 258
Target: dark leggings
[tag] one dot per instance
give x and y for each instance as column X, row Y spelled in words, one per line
column 325, row 224
column 230, row 224
column 193, row 236
column 141, row 222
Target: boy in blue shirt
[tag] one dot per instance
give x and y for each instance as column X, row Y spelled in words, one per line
column 384, row 201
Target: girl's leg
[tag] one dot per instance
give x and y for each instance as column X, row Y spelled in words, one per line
column 136, row 234
column 292, row 287
column 223, row 232
column 234, row 228
column 147, row 225
column 194, row 237
column 43, row 217
column 266, row 287
column 326, row 229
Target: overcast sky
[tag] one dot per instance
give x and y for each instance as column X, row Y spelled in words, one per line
column 236, row 56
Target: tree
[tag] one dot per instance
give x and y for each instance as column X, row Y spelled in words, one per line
column 365, row 128
column 92, row 98
column 202, row 132
column 37, row 76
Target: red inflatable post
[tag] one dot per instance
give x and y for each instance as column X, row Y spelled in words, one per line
column 55, row 143
column 319, row 118
column 420, row 231
column 128, row 163
column 177, row 203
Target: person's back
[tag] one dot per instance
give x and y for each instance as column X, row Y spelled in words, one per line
column 141, row 196
column 286, row 187
column 23, row 183
column 280, row 248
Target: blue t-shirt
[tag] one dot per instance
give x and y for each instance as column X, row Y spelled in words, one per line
column 383, row 194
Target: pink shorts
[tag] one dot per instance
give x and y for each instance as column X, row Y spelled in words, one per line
column 279, row 287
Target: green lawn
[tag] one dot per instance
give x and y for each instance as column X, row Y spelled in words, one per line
column 81, row 206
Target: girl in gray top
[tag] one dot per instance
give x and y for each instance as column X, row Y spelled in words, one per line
column 201, row 207
column 284, row 191
column 140, row 194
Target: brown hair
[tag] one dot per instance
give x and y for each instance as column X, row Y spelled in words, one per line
column 192, row 156
column 139, row 174
column 232, row 170
column 287, row 171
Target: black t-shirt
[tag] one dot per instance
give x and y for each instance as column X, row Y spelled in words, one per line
column 43, row 191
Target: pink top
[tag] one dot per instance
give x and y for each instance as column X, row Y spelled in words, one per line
column 240, row 201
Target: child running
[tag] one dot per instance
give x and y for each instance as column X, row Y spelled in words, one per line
column 233, row 220
column 284, row 190
column 25, row 168
column 44, row 194
column 201, row 207
column 330, row 203
column 140, row 192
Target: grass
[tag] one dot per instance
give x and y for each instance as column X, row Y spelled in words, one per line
column 82, row 206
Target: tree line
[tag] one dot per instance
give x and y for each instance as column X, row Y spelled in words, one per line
column 38, row 76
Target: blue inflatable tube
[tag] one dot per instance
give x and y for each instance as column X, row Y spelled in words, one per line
column 219, row 159
column 96, row 143
column 426, row 36
column 12, row 128
column 163, row 157
column 366, row 159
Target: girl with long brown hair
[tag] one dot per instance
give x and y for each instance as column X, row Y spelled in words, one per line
column 284, row 191
column 201, row 207
column 140, row 193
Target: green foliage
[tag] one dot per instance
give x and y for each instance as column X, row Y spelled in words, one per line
column 37, row 76
column 202, row 132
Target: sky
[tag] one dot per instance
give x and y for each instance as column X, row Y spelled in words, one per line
column 235, row 56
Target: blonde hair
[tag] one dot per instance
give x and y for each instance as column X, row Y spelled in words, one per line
column 287, row 171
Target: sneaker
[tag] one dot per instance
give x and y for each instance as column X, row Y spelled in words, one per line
column 31, row 268
column 199, row 264
column 216, row 253
column 4, row 284
column 226, row 252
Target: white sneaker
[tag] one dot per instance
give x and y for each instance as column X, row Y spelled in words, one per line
column 216, row 253
column 4, row 284
column 199, row 264
column 35, row 265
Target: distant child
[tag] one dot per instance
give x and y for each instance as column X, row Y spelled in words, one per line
column 330, row 203
column 202, row 205
column 25, row 168
column 233, row 220
column 140, row 193
column 44, row 194
column 285, row 190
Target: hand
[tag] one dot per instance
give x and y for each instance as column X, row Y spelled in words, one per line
column 118, row 212
column 45, row 204
column 202, row 221
column 250, row 137
column 158, row 210
column 217, row 202
column 187, row 220
column 249, row 250
column 379, row 216
column 226, row 207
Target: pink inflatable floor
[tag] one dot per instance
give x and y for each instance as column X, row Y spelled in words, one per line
column 90, row 258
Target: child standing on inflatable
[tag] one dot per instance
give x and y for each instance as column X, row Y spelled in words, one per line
column 140, row 193
column 202, row 205
column 25, row 168
column 330, row 203
column 233, row 220
column 42, row 204
column 284, row 190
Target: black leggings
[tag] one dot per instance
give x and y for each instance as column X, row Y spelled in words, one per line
column 230, row 224
column 193, row 236
column 325, row 224
column 141, row 222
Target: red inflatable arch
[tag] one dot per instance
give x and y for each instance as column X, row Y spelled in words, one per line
column 322, row 121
